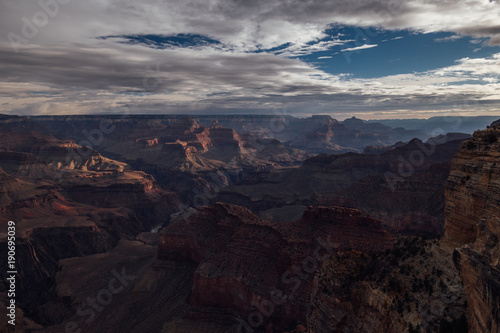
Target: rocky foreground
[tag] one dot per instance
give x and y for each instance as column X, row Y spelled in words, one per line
column 244, row 262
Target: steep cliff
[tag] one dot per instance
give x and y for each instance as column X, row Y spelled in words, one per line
column 473, row 224
column 473, row 188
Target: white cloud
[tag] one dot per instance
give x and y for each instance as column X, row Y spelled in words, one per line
column 448, row 39
column 296, row 50
column 65, row 80
column 357, row 48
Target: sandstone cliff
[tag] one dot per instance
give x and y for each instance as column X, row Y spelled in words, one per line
column 473, row 188
column 473, row 223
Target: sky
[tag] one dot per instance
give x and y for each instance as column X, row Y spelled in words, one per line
column 374, row 59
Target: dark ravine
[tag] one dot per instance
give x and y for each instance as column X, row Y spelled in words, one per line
column 411, row 201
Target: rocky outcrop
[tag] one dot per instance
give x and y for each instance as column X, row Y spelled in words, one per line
column 411, row 288
column 243, row 260
column 479, row 269
column 147, row 142
column 473, row 223
column 473, row 188
column 56, row 154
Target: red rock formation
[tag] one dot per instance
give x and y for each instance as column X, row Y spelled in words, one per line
column 65, row 205
column 147, row 142
column 473, row 222
column 473, row 188
column 243, row 259
column 201, row 138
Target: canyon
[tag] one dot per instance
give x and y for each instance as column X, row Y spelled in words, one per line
column 403, row 186
column 250, row 224
column 68, row 201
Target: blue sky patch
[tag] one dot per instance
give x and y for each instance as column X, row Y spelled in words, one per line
column 166, row 41
column 396, row 52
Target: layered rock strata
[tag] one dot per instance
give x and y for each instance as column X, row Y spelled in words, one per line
column 473, row 224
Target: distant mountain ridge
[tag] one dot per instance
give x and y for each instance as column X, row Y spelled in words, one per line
column 442, row 125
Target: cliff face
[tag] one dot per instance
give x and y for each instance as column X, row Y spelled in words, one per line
column 478, row 264
column 473, row 188
column 473, row 222
column 245, row 261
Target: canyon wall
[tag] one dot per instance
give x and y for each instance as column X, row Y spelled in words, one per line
column 473, row 225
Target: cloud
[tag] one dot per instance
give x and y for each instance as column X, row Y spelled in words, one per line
column 134, row 79
column 247, row 25
column 296, row 50
column 448, row 39
column 64, row 65
column 357, row 48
